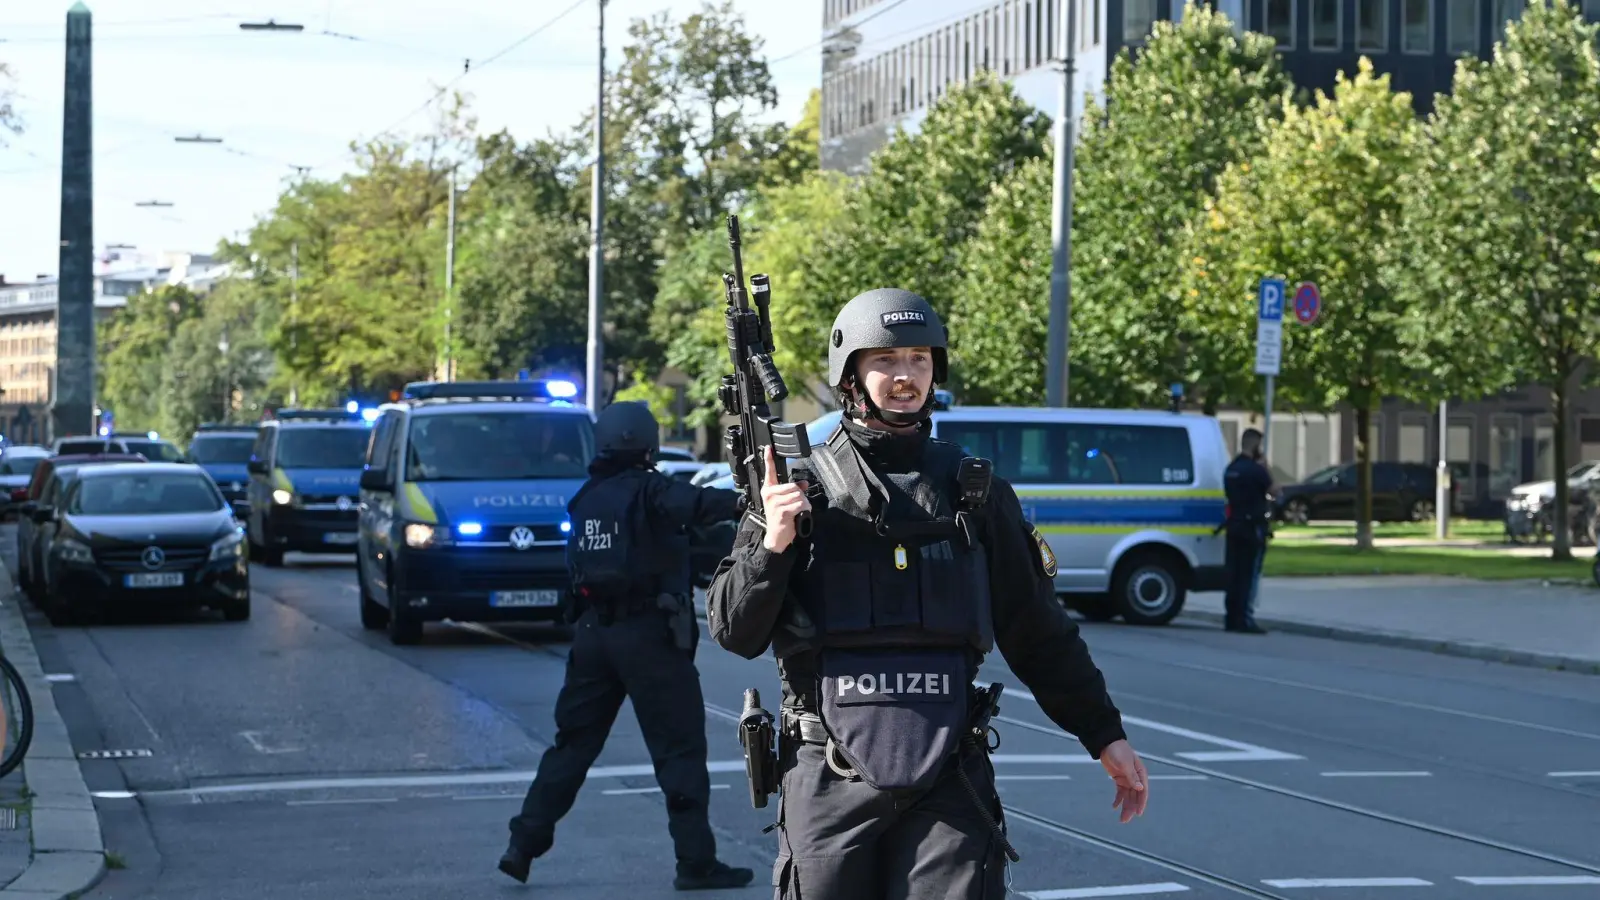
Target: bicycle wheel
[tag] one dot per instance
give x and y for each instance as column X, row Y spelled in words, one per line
column 17, row 707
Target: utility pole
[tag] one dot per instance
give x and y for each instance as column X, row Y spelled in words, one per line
column 450, row 281
column 593, row 381
column 294, row 308
column 1057, row 375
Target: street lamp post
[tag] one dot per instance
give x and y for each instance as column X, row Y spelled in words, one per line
column 1060, row 324
column 153, row 203
column 196, row 139
column 269, row 25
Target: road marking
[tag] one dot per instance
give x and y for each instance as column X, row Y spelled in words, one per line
column 254, row 737
column 1528, row 880
column 651, row 790
column 341, row 802
column 1345, row 882
column 1033, row 778
column 1238, row 751
column 1115, row 890
column 1377, row 774
column 1178, row 777
column 60, row 676
column 1050, row 758
column 1595, row 774
column 485, row 797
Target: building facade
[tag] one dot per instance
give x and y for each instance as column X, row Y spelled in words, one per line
column 886, row 62
column 28, row 330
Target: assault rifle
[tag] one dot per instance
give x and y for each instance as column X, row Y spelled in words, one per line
column 754, row 381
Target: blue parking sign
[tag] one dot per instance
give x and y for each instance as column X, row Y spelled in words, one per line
column 1270, row 300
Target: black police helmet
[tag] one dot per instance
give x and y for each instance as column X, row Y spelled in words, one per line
column 627, row 427
column 884, row 318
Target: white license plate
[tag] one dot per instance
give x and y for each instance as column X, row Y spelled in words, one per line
column 339, row 537
column 525, row 598
column 155, row 580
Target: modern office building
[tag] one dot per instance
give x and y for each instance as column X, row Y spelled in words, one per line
column 885, row 62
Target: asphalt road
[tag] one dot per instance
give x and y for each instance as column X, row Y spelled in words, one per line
column 298, row 756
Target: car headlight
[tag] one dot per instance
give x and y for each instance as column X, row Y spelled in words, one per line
column 420, row 536
column 230, row 547
column 74, row 551
column 282, row 497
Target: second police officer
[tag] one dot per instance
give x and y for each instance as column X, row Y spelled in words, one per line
column 1249, row 487
column 635, row 639
column 916, row 566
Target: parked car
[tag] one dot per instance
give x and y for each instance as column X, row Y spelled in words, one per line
column 1529, row 510
column 50, row 480
column 1401, row 492
column 17, row 463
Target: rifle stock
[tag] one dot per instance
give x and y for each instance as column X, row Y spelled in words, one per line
column 755, row 380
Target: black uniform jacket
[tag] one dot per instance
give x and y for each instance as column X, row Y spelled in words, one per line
column 1033, row 632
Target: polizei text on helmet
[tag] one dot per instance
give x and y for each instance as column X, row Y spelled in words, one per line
column 904, row 317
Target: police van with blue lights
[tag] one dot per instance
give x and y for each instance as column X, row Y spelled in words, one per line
column 223, row 451
column 1128, row 501
column 464, row 504
column 305, row 475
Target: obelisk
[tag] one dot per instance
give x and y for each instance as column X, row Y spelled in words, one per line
column 72, row 407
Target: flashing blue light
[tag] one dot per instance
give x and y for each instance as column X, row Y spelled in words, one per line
column 1091, row 454
column 105, row 430
column 469, row 529
column 566, row 527
column 369, row 414
column 154, row 436
column 561, row 388
column 352, row 407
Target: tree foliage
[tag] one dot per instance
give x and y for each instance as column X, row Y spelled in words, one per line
column 1504, row 217
column 1321, row 204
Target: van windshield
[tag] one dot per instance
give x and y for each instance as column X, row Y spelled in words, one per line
column 333, row 447
column 499, row 446
column 213, row 450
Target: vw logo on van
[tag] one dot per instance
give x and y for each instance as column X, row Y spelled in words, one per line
column 343, row 503
column 522, row 537
column 153, row 557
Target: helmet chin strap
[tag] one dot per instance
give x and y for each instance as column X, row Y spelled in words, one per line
column 893, row 417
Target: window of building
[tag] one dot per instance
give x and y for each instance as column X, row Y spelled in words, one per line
column 1505, row 455
column 1138, row 17
column 1372, row 26
column 1463, row 26
column 1544, row 452
column 1327, row 21
column 1416, row 28
column 1096, row 5
column 1280, row 22
column 1458, row 449
column 1505, row 11
column 1414, row 441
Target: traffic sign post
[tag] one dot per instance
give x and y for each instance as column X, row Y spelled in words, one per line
column 1269, row 344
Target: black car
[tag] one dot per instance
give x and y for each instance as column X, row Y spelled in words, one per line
column 144, row 534
column 1401, row 492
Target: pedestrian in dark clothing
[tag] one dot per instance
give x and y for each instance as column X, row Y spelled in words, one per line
column 635, row 639
column 918, row 563
column 1249, row 487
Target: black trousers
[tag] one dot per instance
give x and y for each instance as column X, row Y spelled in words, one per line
column 1246, row 548
column 633, row 658
column 845, row 840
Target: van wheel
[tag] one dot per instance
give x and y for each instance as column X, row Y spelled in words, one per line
column 1148, row 589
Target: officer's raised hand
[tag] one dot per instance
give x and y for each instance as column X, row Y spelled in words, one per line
column 781, row 503
column 1127, row 771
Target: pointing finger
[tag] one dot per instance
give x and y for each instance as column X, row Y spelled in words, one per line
column 772, row 465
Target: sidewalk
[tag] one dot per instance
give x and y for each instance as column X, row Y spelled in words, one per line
column 53, row 805
column 1519, row 622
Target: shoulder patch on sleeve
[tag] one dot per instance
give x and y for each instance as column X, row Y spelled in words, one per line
column 1047, row 559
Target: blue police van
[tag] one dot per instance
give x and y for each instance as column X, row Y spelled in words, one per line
column 305, row 472
column 223, row 451
column 464, row 504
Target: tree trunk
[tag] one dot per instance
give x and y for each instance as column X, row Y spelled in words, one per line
column 1363, row 479
column 1561, row 540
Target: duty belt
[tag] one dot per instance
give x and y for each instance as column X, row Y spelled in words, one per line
column 805, row 727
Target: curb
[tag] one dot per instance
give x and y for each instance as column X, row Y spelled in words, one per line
column 1468, row 649
column 68, row 850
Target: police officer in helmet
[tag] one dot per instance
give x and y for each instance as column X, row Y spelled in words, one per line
column 917, row 564
column 636, row 634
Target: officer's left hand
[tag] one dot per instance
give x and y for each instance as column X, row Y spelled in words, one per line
column 1133, row 783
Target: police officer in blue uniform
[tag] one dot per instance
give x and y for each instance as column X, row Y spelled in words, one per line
column 918, row 563
column 1248, row 484
column 635, row 638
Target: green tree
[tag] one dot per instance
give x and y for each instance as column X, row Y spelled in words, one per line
column 907, row 219
column 136, row 347
column 1504, row 217
column 1193, row 103
column 219, row 362
column 1321, row 204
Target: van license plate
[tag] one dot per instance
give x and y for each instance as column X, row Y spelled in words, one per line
column 525, row 598
column 339, row 537
column 155, row 580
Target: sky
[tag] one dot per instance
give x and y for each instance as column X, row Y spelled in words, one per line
column 165, row 68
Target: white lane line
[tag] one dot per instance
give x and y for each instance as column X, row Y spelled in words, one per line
column 1046, row 758
column 1595, row 774
column 1238, row 751
column 1178, row 777
column 651, row 790
column 1345, row 882
column 1377, row 774
column 1528, row 880
column 342, row 802
column 1113, row 890
column 60, row 677
column 486, row 797
column 254, row 737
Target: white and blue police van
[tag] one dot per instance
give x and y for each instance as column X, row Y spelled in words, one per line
column 464, row 504
column 1128, row 500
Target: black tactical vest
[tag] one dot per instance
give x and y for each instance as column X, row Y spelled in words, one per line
column 612, row 554
column 891, row 565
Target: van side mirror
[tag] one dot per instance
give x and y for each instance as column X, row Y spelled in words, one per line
column 256, row 466
column 376, row 480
